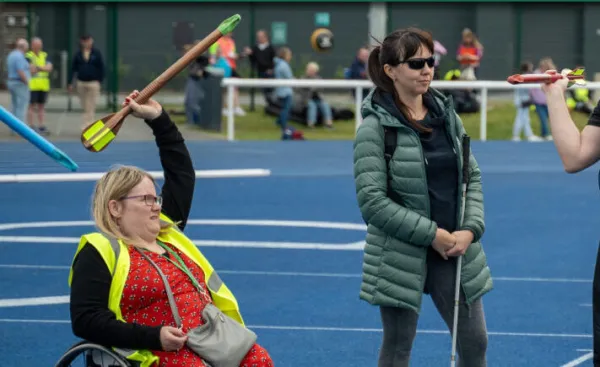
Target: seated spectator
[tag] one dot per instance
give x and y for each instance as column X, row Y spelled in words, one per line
column 313, row 99
column 579, row 99
column 465, row 100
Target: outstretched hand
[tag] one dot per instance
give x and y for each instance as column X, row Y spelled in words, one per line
column 147, row 111
column 559, row 85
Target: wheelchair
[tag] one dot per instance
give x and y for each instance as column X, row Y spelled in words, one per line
column 94, row 355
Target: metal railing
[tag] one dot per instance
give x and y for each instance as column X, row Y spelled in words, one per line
column 358, row 85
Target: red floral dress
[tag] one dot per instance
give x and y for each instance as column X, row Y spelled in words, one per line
column 145, row 302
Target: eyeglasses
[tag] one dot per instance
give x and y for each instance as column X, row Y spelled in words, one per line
column 148, row 199
column 418, row 64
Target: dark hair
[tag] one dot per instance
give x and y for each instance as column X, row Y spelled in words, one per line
column 397, row 47
column 526, row 66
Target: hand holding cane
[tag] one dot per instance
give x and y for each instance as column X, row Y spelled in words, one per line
column 96, row 136
column 466, row 152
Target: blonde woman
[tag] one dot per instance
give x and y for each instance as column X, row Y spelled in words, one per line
column 469, row 54
column 118, row 298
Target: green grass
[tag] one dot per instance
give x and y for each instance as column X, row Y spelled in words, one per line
column 258, row 126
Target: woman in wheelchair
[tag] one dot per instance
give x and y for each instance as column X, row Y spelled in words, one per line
column 118, row 297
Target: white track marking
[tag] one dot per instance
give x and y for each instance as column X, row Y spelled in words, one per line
column 354, row 246
column 543, row 280
column 341, row 329
column 580, row 360
column 35, row 301
column 213, row 222
column 94, row 176
column 312, row 274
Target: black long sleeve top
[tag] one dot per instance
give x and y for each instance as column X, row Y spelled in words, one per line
column 90, row 317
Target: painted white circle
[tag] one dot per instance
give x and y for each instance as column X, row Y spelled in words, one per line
column 64, row 299
column 354, row 246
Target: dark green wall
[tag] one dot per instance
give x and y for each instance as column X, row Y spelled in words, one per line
column 565, row 32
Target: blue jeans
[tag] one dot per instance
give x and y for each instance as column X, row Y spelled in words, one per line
column 311, row 111
column 284, row 114
column 19, row 94
column 542, row 112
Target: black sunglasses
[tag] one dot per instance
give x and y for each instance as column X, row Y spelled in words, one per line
column 418, row 64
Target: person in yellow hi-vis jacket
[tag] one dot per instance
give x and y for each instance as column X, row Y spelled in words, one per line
column 118, row 297
column 39, row 84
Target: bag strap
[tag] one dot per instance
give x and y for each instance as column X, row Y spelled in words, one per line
column 167, row 289
column 183, row 267
column 390, row 142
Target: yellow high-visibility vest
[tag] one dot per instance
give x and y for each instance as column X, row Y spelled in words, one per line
column 452, row 73
column 116, row 256
column 40, row 81
column 580, row 95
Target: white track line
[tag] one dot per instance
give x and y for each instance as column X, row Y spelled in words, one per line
column 213, row 222
column 315, row 274
column 341, row 329
column 94, row 176
column 356, row 246
column 580, row 360
column 34, row 301
column 554, row 280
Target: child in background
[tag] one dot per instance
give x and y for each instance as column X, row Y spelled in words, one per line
column 522, row 103
column 220, row 62
column 539, row 98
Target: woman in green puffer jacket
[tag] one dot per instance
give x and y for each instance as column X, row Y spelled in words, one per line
column 414, row 236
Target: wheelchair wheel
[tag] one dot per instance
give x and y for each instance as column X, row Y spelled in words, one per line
column 91, row 355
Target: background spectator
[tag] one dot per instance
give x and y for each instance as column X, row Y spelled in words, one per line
column 313, row 99
column 88, row 70
column 19, row 73
column 261, row 57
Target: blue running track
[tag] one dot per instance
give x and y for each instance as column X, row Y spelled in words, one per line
column 288, row 245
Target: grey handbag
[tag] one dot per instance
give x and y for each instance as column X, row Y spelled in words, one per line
column 220, row 341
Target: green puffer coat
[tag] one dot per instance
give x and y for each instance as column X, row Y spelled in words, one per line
column 398, row 236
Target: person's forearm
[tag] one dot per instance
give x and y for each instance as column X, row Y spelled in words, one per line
column 565, row 133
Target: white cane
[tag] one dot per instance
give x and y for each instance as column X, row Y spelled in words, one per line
column 466, row 152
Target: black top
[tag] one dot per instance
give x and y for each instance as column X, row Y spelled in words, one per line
column 90, row 317
column 442, row 173
column 595, row 117
column 262, row 60
column 87, row 71
column 441, row 164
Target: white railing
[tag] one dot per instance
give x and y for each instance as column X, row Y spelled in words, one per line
column 358, row 86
